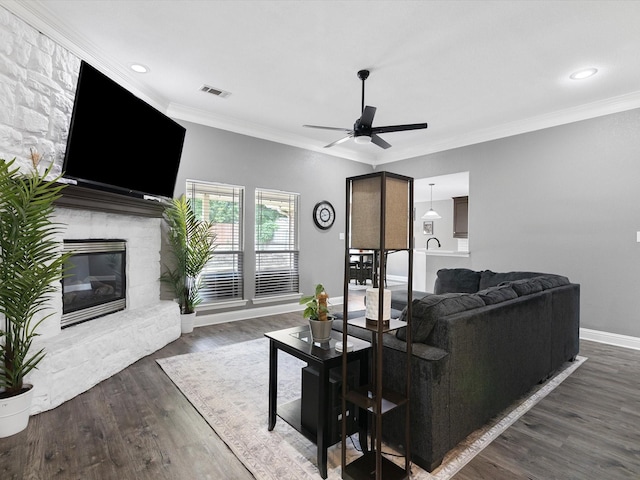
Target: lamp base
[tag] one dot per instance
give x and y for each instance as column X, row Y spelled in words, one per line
column 374, row 322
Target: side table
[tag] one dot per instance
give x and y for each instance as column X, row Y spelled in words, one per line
column 322, row 357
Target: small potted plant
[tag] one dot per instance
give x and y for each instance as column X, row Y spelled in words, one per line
column 317, row 311
column 192, row 243
column 31, row 266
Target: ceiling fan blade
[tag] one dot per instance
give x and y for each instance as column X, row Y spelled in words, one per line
column 398, row 128
column 379, row 141
column 328, row 128
column 337, row 142
column 367, row 116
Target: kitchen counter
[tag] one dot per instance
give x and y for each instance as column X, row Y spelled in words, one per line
column 437, row 252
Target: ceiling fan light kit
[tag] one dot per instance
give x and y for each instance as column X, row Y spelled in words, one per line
column 363, row 131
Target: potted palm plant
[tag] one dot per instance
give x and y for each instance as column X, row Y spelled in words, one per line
column 192, row 243
column 317, row 311
column 31, row 266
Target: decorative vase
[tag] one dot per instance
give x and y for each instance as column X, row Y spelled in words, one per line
column 372, row 301
column 14, row 412
column 321, row 329
column 186, row 322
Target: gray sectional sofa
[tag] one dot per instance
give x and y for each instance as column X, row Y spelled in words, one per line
column 481, row 341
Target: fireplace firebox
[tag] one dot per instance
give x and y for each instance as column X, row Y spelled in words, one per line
column 94, row 284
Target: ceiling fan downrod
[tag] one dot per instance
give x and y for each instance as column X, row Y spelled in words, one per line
column 363, row 75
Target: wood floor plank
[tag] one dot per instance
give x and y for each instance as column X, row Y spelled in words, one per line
column 137, row 425
column 585, row 429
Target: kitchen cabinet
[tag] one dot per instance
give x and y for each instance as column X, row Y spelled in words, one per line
column 461, row 217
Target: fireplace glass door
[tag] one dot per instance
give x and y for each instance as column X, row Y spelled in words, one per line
column 94, row 284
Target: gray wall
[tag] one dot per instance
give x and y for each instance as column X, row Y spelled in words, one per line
column 216, row 155
column 563, row 200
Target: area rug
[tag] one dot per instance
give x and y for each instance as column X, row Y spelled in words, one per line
column 229, row 387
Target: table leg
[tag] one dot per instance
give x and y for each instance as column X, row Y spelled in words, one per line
column 323, row 420
column 273, row 383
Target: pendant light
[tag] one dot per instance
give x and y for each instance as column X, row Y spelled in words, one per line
column 431, row 213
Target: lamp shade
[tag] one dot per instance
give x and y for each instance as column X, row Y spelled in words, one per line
column 431, row 215
column 380, row 201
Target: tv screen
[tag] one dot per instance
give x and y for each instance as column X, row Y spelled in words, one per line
column 119, row 143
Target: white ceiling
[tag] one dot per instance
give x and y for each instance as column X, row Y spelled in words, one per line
column 473, row 70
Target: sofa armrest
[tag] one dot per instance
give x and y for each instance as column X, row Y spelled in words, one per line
column 420, row 350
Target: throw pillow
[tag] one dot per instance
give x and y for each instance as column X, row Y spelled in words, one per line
column 458, row 280
column 426, row 311
column 500, row 293
column 491, row 279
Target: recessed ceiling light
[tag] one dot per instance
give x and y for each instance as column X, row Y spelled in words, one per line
column 139, row 68
column 584, row 73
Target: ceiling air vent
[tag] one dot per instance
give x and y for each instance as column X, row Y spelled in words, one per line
column 214, row 91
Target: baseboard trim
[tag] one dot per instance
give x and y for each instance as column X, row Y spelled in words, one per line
column 610, row 338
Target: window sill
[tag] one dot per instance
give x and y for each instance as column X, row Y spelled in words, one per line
column 221, row 305
column 276, row 298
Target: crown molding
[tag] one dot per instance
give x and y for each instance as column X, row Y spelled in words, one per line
column 181, row 112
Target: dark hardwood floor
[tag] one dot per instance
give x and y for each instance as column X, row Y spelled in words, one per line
column 137, row 425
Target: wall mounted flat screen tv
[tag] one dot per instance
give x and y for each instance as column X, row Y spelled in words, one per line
column 119, row 143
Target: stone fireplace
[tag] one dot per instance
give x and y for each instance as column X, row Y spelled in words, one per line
column 82, row 353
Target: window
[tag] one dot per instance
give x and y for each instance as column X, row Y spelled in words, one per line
column 222, row 278
column 276, row 243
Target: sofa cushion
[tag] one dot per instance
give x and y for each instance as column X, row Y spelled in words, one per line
column 526, row 286
column 427, row 310
column 399, row 298
column 458, row 280
column 491, row 279
column 497, row 294
column 552, row 281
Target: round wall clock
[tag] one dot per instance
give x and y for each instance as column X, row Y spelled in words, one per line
column 324, row 215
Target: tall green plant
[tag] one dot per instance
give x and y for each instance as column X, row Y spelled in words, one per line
column 31, row 265
column 192, row 243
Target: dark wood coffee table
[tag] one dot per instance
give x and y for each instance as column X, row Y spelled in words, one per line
column 322, row 357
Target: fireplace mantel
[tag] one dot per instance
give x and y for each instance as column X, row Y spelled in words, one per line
column 74, row 196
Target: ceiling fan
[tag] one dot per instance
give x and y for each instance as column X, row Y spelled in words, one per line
column 363, row 131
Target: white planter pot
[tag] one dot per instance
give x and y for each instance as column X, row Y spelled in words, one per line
column 14, row 412
column 186, row 322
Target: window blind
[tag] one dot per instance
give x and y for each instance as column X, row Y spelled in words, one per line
column 222, row 278
column 276, row 243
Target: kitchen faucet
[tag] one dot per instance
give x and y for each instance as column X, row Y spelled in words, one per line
column 433, row 238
